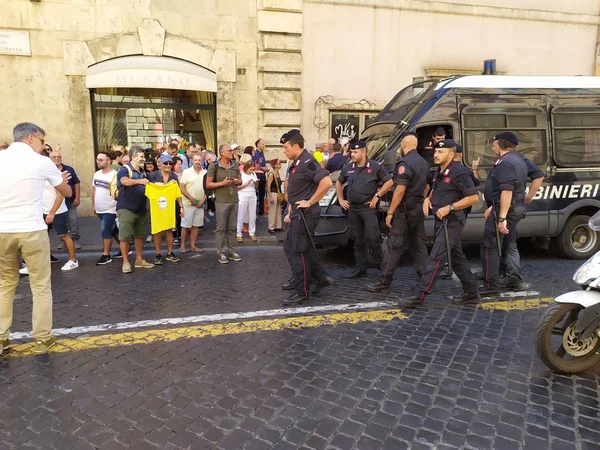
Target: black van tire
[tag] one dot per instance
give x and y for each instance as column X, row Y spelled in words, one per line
column 565, row 240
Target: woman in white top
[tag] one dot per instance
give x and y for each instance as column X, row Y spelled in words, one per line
column 247, row 198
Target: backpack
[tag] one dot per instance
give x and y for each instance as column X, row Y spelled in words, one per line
column 210, row 193
column 114, row 186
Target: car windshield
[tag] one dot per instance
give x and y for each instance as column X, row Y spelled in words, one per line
column 403, row 102
column 376, row 137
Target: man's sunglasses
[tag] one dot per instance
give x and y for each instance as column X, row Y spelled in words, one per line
column 168, row 163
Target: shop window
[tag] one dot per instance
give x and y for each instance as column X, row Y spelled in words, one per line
column 150, row 118
column 576, row 139
column 349, row 124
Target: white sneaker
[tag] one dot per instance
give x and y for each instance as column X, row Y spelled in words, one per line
column 211, row 214
column 23, row 270
column 70, row 265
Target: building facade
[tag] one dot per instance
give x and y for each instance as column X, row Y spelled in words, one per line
column 96, row 74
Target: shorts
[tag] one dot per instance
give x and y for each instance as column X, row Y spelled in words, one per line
column 193, row 217
column 60, row 224
column 132, row 224
column 108, row 225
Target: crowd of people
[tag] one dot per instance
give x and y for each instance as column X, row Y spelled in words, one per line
column 137, row 193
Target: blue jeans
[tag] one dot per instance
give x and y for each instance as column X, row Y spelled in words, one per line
column 108, row 225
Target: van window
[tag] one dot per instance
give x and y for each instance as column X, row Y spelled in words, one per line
column 478, row 144
column 480, row 129
column 576, row 139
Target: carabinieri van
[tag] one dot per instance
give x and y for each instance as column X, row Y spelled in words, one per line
column 557, row 121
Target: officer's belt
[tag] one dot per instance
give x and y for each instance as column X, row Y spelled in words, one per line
column 365, row 205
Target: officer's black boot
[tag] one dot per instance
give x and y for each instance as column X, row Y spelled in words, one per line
column 492, row 291
column 289, row 284
column 325, row 282
column 382, row 285
column 294, row 299
column 511, row 284
column 412, row 301
column 467, row 298
column 357, row 273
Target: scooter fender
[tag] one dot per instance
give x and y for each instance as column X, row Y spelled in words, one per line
column 588, row 319
column 583, row 298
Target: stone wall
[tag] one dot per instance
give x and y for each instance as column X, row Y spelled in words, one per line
column 279, row 70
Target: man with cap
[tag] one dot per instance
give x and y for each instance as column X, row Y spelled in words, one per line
column 307, row 184
column 405, row 214
column 345, row 143
column 505, row 197
column 451, row 193
column 364, row 177
column 439, row 134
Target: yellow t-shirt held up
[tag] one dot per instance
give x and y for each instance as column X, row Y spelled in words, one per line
column 163, row 198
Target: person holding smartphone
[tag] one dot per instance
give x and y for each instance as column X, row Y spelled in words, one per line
column 223, row 178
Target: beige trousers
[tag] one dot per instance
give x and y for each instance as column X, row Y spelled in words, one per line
column 34, row 247
column 274, row 212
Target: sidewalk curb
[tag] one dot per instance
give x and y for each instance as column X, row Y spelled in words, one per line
column 85, row 249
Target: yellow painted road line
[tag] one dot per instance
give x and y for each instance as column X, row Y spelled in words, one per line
column 517, row 305
column 200, row 331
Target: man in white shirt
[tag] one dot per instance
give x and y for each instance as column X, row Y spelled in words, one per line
column 56, row 216
column 23, row 232
column 105, row 206
column 194, row 202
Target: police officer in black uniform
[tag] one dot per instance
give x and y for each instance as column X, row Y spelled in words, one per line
column 439, row 134
column 363, row 176
column 505, row 197
column 307, row 184
column 405, row 214
column 452, row 191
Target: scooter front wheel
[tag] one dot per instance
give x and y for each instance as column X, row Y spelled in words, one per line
column 557, row 344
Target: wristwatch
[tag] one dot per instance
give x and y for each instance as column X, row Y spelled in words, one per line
column 452, row 207
column 377, row 194
column 501, row 219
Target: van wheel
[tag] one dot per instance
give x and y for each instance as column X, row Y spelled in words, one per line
column 577, row 240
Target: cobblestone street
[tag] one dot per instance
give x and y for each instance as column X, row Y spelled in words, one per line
column 231, row 370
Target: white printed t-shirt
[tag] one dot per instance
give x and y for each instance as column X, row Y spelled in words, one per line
column 22, row 188
column 103, row 201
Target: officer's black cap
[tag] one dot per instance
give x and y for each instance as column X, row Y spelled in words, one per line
column 357, row 145
column 408, row 133
column 446, row 143
column 507, row 136
column 287, row 136
column 459, row 148
column 439, row 131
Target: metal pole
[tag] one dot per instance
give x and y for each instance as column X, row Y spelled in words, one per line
column 498, row 235
column 448, row 247
column 308, row 230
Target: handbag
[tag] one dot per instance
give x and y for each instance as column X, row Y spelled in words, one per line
column 280, row 196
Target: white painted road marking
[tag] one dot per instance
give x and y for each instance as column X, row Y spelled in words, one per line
column 208, row 318
column 232, row 316
column 519, row 294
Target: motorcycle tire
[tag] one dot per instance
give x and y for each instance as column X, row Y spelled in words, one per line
column 552, row 316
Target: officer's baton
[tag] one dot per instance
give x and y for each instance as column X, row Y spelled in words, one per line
column 307, row 229
column 498, row 235
column 448, row 249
